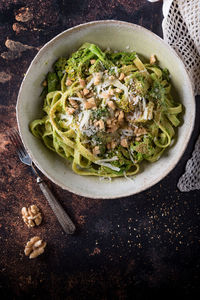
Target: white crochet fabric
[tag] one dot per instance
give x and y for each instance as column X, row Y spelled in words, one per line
column 190, row 180
column 181, row 30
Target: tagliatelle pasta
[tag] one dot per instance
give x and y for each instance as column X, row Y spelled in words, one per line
column 107, row 111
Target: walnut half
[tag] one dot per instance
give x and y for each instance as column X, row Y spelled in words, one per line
column 31, row 216
column 34, row 247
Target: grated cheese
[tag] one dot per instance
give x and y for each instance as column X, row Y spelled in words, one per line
column 84, row 119
column 67, row 117
column 108, row 165
column 114, row 158
column 145, row 115
column 127, row 132
column 90, row 131
column 143, row 103
column 76, row 98
column 90, row 83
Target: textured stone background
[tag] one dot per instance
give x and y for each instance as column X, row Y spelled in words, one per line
column 145, row 242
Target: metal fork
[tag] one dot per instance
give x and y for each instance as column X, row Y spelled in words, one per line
column 61, row 215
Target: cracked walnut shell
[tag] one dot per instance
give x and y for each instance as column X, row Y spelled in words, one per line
column 34, row 247
column 31, row 216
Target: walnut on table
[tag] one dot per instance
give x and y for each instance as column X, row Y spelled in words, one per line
column 34, row 247
column 31, row 216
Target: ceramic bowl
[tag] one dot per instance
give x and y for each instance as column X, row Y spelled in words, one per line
column 118, row 36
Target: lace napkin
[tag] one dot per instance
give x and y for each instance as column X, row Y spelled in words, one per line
column 181, row 30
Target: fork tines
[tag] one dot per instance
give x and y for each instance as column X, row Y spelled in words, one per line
column 16, row 141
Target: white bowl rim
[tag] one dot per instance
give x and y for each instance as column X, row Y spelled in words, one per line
column 166, row 172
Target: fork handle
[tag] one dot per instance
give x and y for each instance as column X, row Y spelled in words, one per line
column 60, row 213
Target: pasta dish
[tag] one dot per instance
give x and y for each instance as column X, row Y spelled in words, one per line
column 107, row 111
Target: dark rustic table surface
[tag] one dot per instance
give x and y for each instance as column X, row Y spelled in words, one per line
column 122, row 247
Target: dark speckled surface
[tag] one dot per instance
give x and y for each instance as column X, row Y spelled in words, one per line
column 126, row 248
